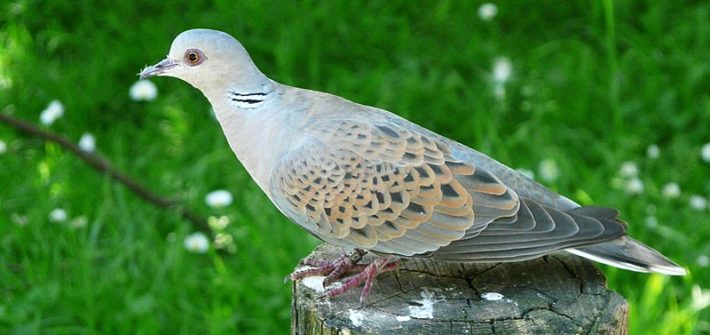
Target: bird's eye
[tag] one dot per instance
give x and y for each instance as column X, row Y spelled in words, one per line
column 194, row 57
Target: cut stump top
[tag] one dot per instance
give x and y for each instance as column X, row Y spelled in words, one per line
column 555, row 294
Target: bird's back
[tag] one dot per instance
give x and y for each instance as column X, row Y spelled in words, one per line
column 322, row 114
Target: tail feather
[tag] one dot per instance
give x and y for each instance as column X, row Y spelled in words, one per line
column 629, row 254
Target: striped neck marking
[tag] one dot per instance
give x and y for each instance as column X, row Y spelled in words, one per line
column 248, row 100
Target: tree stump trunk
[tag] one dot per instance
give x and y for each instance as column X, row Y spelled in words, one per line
column 555, row 294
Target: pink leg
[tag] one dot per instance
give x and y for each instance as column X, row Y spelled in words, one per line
column 347, row 263
column 368, row 275
column 332, row 269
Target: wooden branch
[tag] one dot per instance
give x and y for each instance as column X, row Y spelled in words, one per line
column 556, row 294
column 103, row 166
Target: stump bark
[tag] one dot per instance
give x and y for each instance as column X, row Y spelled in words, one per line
column 555, row 294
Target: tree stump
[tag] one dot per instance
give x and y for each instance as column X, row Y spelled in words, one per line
column 555, row 294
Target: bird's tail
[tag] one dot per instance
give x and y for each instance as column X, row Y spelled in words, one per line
column 629, row 254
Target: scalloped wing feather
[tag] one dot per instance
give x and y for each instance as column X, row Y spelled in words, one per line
column 385, row 188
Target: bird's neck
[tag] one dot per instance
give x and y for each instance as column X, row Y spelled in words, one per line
column 256, row 126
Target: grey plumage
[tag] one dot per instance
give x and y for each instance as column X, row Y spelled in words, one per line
column 361, row 177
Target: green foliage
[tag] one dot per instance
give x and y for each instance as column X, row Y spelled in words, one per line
column 580, row 95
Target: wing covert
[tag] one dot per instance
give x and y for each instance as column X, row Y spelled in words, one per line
column 387, row 189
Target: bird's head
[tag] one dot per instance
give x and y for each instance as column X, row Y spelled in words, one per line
column 207, row 59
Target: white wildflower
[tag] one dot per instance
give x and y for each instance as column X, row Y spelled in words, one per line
column 629, row 169
column 225, row 241
column 58, row 215
column 698, row 203
column 79, row 222
column 5, row 82
column 701, row 298
column 548, row 170
column 3, row 147
column 487, row 11
column 219, row 198
column 705, row 153
column 527, row 173
column 651, row 221
column 634, row 186
column 502, row 69
column 54, row 110
column 653, row 151
column 87, row 142
column 20, row 220
column 671, row 191
column 218, row 223
column 703, row 261
column 143, row 90
column 197, row 243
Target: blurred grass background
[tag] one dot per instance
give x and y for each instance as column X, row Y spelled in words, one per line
column 594, row 83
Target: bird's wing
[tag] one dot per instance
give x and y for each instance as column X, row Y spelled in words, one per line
column 523, row 186
column 391, row 189
column 381, row 187
column 534, row 231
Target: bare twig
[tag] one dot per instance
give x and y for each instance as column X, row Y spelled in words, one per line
column 103, row 166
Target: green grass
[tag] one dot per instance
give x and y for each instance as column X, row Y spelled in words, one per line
column 593, row 86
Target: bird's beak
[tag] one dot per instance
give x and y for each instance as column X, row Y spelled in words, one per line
column 158, row 69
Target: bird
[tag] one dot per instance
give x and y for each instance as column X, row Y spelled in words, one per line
column 365, row 179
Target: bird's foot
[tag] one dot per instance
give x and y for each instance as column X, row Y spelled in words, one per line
column 347, row 263
column 367, row 274
column 331, row 269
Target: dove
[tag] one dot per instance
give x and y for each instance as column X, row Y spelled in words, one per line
column 370, row 181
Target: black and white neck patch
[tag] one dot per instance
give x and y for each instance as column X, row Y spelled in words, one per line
column 248, row 100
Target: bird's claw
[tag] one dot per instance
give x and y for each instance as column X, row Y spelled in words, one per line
column 347, row 263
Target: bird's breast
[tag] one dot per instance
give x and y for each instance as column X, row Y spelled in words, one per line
column 259, row 139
